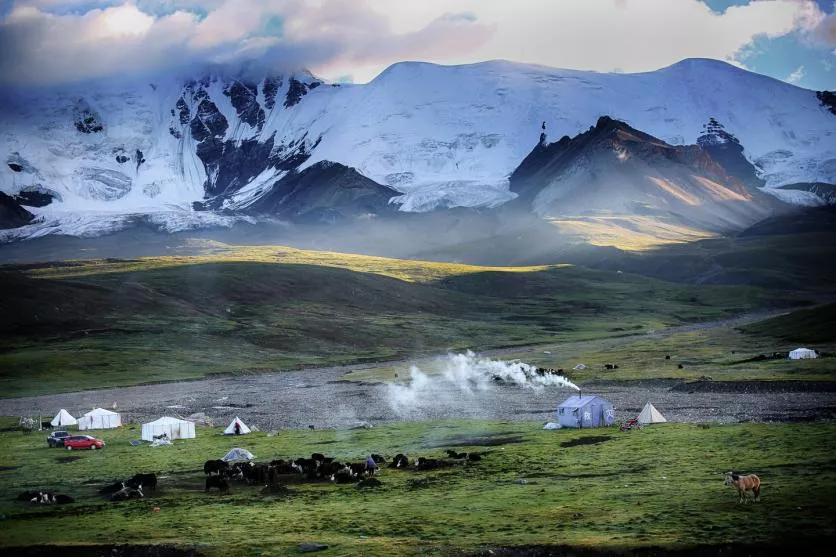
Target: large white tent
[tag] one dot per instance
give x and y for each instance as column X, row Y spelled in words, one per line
column 99, row 418
column 241, row 430
column 173, row 428
column 802, row 354
column 649, row 415
column 63, row 418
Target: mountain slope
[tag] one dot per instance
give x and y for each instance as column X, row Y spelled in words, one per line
column 613, row 168
column 325, row 192
column 440, row 136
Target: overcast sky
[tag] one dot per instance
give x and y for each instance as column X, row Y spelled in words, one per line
column 54, row 41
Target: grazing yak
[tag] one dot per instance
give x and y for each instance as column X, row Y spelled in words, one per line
column 217, row 482
column 744, row 484
column 400, row 461
column 217, row 467
column 146, row 481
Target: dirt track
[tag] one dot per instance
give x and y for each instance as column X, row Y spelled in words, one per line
column 322, row 398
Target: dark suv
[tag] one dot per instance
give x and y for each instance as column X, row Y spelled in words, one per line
column 56, row 438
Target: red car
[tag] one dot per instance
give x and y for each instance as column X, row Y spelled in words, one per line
column 83, row 442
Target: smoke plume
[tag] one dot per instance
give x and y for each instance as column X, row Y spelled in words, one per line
column 465, row 382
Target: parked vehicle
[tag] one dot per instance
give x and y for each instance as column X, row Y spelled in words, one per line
column 57, row 438
column 83, row 442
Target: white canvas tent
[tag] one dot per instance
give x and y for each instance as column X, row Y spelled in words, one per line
column 63, row 418
column 99, row 418
column 242, row 427
column 649, row 415
column 238, row 454
column 802, row 354
column 172, row 428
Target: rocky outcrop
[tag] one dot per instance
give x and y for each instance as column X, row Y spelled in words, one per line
column 827, row 99
column 12, row 214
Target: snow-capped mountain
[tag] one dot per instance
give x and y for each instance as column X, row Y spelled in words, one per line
column 193, row 152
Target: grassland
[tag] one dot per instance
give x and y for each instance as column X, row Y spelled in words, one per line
column 657, row 486
column 85, row 324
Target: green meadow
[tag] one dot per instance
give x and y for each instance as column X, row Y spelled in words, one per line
column 101, row 323
column 607, row 489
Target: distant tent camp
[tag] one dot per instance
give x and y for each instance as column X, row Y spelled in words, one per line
column 172, row 428
column 585, row 411
column 63, row 418
column 236, row 427
column 649, row 415
column 238, row 454
column 803, row 353
column 99, row 418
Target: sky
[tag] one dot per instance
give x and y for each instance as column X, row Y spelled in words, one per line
column 45, row 42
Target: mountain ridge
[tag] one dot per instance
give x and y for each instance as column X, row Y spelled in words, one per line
column 439, row 136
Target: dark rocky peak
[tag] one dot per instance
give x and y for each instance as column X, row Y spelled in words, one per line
column 298, row 89
column 12, row 214
column 828, row 100
column 607, row 134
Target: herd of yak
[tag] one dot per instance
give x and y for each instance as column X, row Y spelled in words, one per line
column 316, row 468
column 273, row 476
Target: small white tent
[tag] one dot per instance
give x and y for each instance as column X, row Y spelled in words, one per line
column 649, row 415
column 99, row 419
column 238, row 454
column 172, row 428
column 803, row 353
column 63, row 418
column 241, row 429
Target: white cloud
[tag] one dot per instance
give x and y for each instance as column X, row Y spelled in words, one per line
column 54, row 40
column 796, row 76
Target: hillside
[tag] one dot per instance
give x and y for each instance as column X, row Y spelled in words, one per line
column 113, row 322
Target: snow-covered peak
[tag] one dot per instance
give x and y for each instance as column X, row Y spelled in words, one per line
column 439, row 135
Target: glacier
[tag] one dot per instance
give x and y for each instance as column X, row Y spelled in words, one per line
column 111, row 151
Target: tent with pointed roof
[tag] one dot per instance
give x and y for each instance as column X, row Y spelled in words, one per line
column 63, row 418
column 236, row 427
column 99, row 418
column 585, row 411
column 172, row 428
column 649, row 415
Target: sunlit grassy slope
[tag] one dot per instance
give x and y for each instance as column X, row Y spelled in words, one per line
column 82, row 324
column 660, row 486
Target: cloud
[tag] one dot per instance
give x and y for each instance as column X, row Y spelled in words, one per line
column 47, row 41
column 796, row 76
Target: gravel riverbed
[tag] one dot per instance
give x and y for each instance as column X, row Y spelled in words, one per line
column 322, row 398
